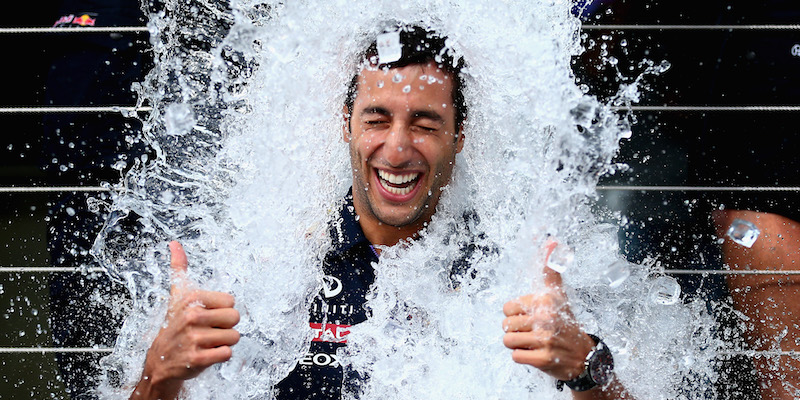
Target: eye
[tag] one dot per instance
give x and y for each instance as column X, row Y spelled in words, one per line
column 375, row 123
column 426, row 128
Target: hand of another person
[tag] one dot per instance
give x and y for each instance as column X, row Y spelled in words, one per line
column 542, row 332
column 198, row 333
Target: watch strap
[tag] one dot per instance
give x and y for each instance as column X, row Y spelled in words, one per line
column 584, row 381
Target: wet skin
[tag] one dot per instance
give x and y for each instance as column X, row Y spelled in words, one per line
column 402, row 126
column 769, row 301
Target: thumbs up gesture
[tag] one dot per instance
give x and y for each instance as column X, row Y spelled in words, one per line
column 542, row 332
column 198, row 333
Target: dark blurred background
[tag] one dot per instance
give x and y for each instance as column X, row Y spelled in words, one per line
column 717, row 67
column 71, row 307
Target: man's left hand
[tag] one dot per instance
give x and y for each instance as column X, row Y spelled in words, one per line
column 542, row 332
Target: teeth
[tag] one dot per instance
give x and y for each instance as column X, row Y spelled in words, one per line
column 399, row 191
column 397, row 179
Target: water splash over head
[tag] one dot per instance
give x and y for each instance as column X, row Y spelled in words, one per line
column 247, row 129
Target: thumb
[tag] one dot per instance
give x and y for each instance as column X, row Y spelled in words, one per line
column 178, row 263
column 552, row 278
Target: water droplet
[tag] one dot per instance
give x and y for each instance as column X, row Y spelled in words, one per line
column 70, row 211
column 179, row 119
column 166, row 197
column 397, row 78
column 380, row 84
column 406, row 88
column 119, row 165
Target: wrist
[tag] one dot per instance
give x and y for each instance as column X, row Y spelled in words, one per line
column 597, row 371
column 151, row 389
column 155, row 384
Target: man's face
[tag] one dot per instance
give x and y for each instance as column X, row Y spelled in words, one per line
column 403, row 143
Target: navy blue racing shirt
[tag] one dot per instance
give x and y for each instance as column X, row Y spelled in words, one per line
column 348, row 276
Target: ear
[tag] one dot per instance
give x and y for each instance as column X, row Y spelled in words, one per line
column 346, row 134
column 460, row 139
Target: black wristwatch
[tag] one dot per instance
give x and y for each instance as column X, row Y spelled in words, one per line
column 598, row 371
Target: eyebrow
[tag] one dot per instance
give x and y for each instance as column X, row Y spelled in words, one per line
column 432, row 115
column 376, row 110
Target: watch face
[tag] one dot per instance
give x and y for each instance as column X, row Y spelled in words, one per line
column 601, row 365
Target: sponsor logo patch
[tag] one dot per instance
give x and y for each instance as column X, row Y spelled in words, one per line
column 84, row 20
column 320, row 360
column 67, row 19
column 329, row 332
column 331, row 286
column 71, row 20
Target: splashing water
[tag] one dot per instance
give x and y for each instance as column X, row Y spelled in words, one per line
column 250, row 165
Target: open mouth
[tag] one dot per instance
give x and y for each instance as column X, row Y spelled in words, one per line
column 398, row 184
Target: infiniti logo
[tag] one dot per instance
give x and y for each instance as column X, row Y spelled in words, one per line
column 796, row 50
column 331, row 286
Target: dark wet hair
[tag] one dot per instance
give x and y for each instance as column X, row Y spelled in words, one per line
column 419, row 46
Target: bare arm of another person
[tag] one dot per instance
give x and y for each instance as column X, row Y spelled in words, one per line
column 769, row 301
column 542, row 332
column 198, row 333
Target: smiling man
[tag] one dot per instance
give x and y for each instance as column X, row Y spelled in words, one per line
column 403, row 140
column 403, row 122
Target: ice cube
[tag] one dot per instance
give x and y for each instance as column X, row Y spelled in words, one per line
column 560, row 258
column 743, row 232
column 665, row 290
column 389, row 47
column 616, row 273
column 179, row 119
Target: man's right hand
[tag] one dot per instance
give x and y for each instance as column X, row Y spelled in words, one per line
column 198, row 333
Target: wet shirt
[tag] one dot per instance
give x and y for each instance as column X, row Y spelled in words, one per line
column 348, row 276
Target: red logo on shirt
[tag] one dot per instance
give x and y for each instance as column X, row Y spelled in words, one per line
column 329, row 332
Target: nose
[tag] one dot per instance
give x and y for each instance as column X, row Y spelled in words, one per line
column 398, row 147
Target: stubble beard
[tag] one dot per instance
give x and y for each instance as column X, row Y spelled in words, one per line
column 362, row 185
column 362, row 188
